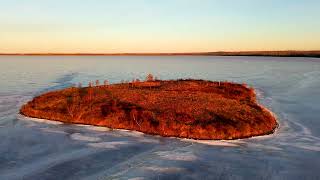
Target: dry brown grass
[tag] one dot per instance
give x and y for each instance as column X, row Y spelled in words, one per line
column 183, row 108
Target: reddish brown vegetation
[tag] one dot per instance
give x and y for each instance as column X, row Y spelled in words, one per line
column 184, row 108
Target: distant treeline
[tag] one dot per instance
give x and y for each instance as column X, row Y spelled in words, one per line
column 268, row 53
column 315, row 54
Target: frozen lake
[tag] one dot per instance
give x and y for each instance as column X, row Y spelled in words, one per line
column 35, row 149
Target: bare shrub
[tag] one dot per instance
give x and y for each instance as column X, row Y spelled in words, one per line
column 149, row 77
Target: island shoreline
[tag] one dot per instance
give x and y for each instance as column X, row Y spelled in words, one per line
column 54, row 122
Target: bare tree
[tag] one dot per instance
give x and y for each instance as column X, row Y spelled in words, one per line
column 149, row 77
column 73, row 105
column 106, row 82
column 134, row 116
column 76, row 106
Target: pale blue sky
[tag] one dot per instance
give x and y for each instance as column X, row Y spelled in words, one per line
column 158, row 25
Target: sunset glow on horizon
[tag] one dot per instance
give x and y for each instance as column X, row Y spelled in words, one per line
column 141, row 26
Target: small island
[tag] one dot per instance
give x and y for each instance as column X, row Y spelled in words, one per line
column 185, row 108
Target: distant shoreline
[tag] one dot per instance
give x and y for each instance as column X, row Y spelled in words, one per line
column 313, row 54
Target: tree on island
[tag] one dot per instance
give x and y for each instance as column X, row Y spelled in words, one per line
column 149, row 77
column 105, row 82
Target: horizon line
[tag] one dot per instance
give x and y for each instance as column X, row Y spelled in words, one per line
column 282, row 53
